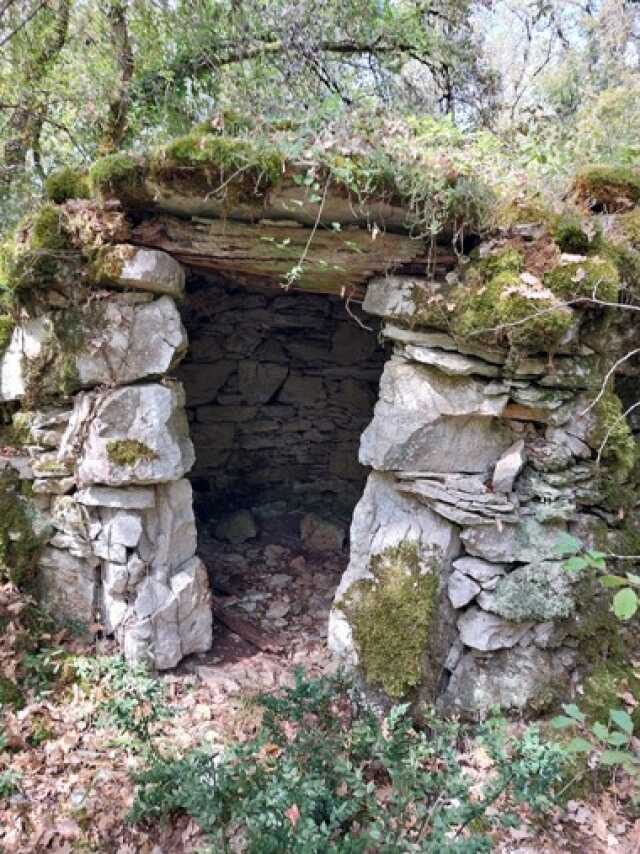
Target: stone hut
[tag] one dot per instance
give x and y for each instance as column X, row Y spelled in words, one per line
column 171, row 343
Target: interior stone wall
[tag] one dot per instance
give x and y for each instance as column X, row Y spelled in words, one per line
column 279, row 387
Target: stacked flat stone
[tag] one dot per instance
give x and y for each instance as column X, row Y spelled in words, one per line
column 481, row 462
column 108, row 467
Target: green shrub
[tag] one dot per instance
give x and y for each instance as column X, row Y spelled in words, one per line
column 320, row 776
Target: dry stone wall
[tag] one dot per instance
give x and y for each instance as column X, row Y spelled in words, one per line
column 482, row 458
column 105, row 450
column 279, row 388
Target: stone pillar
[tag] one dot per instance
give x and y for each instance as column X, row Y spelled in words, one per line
column 482, row 457
column 106, row 448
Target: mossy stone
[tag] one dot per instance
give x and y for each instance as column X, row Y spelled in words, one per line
column 393, row 615
column 19, row 544
column 128, row 452
column 570, row 235
column 594, row 277
column 620, row 450
column 120, row 175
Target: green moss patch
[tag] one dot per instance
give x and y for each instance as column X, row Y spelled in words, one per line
column 603, row 687
column 67, row 183
column 621, row 449
column 239, row 167
column 609, row 188
column 596, row 277
column 128, row 452
column 120, row 175
column 570, row 234
column 19, row 543
column 392, row 616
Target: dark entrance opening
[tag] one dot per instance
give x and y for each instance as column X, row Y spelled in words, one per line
column 279, row 387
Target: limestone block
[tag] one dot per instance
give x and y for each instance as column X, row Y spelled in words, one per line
column 427, row 420
column 453, row 364
column 27, row 342
column 486, row 632
column 125, row 343
column 169, row 535
column 133, row 435
column 68, row 585
column 395, row 296
column 524, row 542
column 486, row 574
column 122, row 527
column 143, row 269
column 509, row 467
column 462, row 589
column 70, row 516
column 384, row 519
column 53, row 486
column 131, row 498
column 190, row 586
column 522, row 679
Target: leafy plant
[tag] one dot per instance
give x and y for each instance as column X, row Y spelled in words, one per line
column 322, row 775
column 625, row 602
column 134, row 700
column 608, row 743
column 9, row 783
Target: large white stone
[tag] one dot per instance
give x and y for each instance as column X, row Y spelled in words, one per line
column 125, row 343
column 429, row 421
column 131, row 498
column 27, row 342
column 144, row 269
column 509, row 467
column 485, row 632
column 68, row 585
column 525, row 542
column 150, row 415
column 169, row 535
column 462, row 589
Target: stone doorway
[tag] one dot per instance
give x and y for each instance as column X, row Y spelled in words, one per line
column 279, row 387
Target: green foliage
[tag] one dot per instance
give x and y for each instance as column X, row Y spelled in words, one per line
column 67, row 183
column 45, row 230
column 609, row 744
column 317, row 778
column 392, row 616
column 10, row 694
column 603, row 687
column 134, row 700
column 128, row 452
column 7, row 325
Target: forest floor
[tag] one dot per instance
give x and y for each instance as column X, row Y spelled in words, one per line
column 68, row 755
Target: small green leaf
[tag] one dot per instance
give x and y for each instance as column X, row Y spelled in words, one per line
column 612, row 581
column 562, row 722
column 574, row 712
column 625, row 603
column 618, row 739
column 579, row 745
column 596, row 559
column 575, row 564
column 600, row 731
column 622, row 720
column 336, row 226
column 616, row 757
column 633, row 579
column 567, row 545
